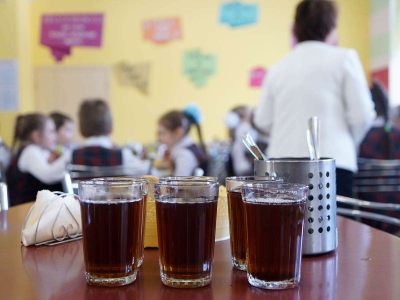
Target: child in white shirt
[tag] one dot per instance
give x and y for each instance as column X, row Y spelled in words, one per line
column 32, row 168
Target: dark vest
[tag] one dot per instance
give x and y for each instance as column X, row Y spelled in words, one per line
column 200, row 156
column 23, row 187
column 97, row 157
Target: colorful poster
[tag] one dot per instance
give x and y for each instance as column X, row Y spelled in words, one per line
column 9, row 85
column 162, row 31
column 61, row 32
column 199, row 66
column 136, row 75
column 237, row 14
column 257, row 77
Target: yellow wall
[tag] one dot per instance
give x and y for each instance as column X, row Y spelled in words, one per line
column 238, row 50
column 15, row 43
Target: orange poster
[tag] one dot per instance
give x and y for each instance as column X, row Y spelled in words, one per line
column 162, row 30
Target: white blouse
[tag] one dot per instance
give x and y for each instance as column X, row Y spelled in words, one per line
column 34, row 160
column 316, row 79
column 185, row 161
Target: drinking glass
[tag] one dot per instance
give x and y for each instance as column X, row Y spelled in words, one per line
column 275, row 218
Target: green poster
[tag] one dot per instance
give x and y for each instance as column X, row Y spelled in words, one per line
column 199, row 66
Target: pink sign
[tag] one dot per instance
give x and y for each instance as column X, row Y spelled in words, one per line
column 257, row 76
column 61, row 32
column 161, row 31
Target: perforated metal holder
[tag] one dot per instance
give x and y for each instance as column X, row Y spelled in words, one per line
column 320, row 231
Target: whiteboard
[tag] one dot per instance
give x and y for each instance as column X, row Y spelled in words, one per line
column 62, row 89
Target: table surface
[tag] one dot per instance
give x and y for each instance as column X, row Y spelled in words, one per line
column 366, row 265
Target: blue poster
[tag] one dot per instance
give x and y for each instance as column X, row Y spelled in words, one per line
column 237, row 14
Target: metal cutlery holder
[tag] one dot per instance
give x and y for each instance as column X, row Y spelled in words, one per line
column 320, row 231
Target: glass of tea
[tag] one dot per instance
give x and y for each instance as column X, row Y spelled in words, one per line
column 186, row 218
column 111, row 227
column 275, row 218
column 237, row 224
column 145, row 188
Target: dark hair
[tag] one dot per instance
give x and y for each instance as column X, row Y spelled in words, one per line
column 314, row 20
column 381, row 101
column 242, row 111
column 95, row 118
column 59, row 119
column 25, row 125
column 176, row 118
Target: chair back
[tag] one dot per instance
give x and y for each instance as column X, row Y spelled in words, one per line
column 378, row 181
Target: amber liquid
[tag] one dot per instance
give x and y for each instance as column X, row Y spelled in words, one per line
column 186, row 238
column 237, row 229
column 111, row 237
column 275, row 240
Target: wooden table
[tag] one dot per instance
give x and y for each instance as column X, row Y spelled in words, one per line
column 366, row 265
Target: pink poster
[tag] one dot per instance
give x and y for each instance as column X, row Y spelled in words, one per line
column 61, row 32
column 257, row 76
column 163, row 30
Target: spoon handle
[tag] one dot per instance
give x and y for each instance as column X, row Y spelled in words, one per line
column 314, row 126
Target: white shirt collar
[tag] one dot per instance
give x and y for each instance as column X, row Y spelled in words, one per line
column 101, row 140
column 185, row 142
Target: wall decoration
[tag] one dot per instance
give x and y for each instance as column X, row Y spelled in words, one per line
column 136, row 75
column 256, row 77
column 9, row 85
column 163, row 30
column 237, row 14
column 61, row 32
column 199, row 66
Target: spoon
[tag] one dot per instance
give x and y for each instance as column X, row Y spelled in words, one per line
column 254, row 146
column 314, row 128
column 310, row 145
column 248, row 146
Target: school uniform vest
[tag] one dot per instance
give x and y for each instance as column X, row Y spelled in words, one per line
column 374, row 143
column 97, row 156
column 200, row 156
column 23, row 187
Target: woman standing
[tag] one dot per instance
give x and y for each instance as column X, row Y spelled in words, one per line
column 317, row 79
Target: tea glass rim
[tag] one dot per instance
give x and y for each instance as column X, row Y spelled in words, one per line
column 112, row 182
column 186, row 183
column 275, row 186
column 189, row 178
column 270, row 179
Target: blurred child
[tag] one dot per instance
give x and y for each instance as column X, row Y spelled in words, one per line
column 238, row 120
column 173, row 130
column 30, row 170
column 95, row 122
column 64, row 130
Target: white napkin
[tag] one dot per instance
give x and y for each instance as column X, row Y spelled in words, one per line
column 49, row 217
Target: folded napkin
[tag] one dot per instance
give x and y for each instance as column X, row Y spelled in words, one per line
column 49, row 217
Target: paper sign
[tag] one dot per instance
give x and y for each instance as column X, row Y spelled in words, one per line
column 257, row 76
column 198, row 66
column 237, row 14
column 9, row 85
column 61, row 32
column 161, row 31
column 136, row 75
